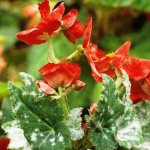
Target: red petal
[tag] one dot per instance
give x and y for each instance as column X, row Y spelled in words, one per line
column 48, row 26
column 137, row 69
column 124, row 49
column 74, row 32
column 45, row 87
column 44, row 9
column 136, row 92
column 99, row 62
column 58, row 12
column 4, row 143
column 30, row 36
column 53, row 22
column 87, row 32
column 69, row 18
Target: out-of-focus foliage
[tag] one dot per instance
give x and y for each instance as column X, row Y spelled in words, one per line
column 143, row 5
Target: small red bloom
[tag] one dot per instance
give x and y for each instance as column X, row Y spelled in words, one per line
column 72, row 28
column 4, row 143
column 138, row 70
column 50, row 22
column 59, row 75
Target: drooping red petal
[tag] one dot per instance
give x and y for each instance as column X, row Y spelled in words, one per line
column 75, row 31
column 30, row 36
column 4, row 143
column 45, row 87
column 69, row 18
column 87, row 32
column 98, row 61
column 44, row 9
column 123, row 50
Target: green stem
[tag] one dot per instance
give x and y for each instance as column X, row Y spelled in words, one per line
column 75, row 55
column 63, row 102
column 51, row 52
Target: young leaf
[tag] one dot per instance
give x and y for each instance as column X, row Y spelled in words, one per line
column 129, row 131
column 74, row 124
column 143, row 112
column 41, row 119
column 105, row 120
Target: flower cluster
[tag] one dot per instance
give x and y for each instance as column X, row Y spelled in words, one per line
column 66, row 74
column 53, row 21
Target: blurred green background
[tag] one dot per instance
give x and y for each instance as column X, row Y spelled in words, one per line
column 114, row 22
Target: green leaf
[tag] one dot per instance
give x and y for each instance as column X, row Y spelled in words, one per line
column 37, row 57
column 74, row 124
column 129, row 131
column 41, row 118
column 143, row 112
column 104, row 122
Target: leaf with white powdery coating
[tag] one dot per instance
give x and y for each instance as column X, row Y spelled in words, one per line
column 129, row 132
column 143, row 112
column 74, row 124
column 41, row 118
column 104, row 122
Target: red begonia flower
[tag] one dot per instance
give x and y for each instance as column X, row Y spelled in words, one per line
column 72, row 28
column 99, row 62
column 59, row 75
column 50, row 22
column 138, row 70
column 87, row 32
column 4, row 143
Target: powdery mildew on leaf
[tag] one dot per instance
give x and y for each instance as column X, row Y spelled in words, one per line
column 74, row 124
column 16, row 134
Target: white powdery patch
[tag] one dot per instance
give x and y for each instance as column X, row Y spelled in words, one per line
column 144, row 146
column 128, row 133
column 17, row 138
column 60, row 138
column 34, row 137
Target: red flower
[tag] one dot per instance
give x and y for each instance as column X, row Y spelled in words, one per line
column 138, row 70
column 4, row 143
column 72, row 28
column 50, row 22
column 99, row 62
column 59, row 75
